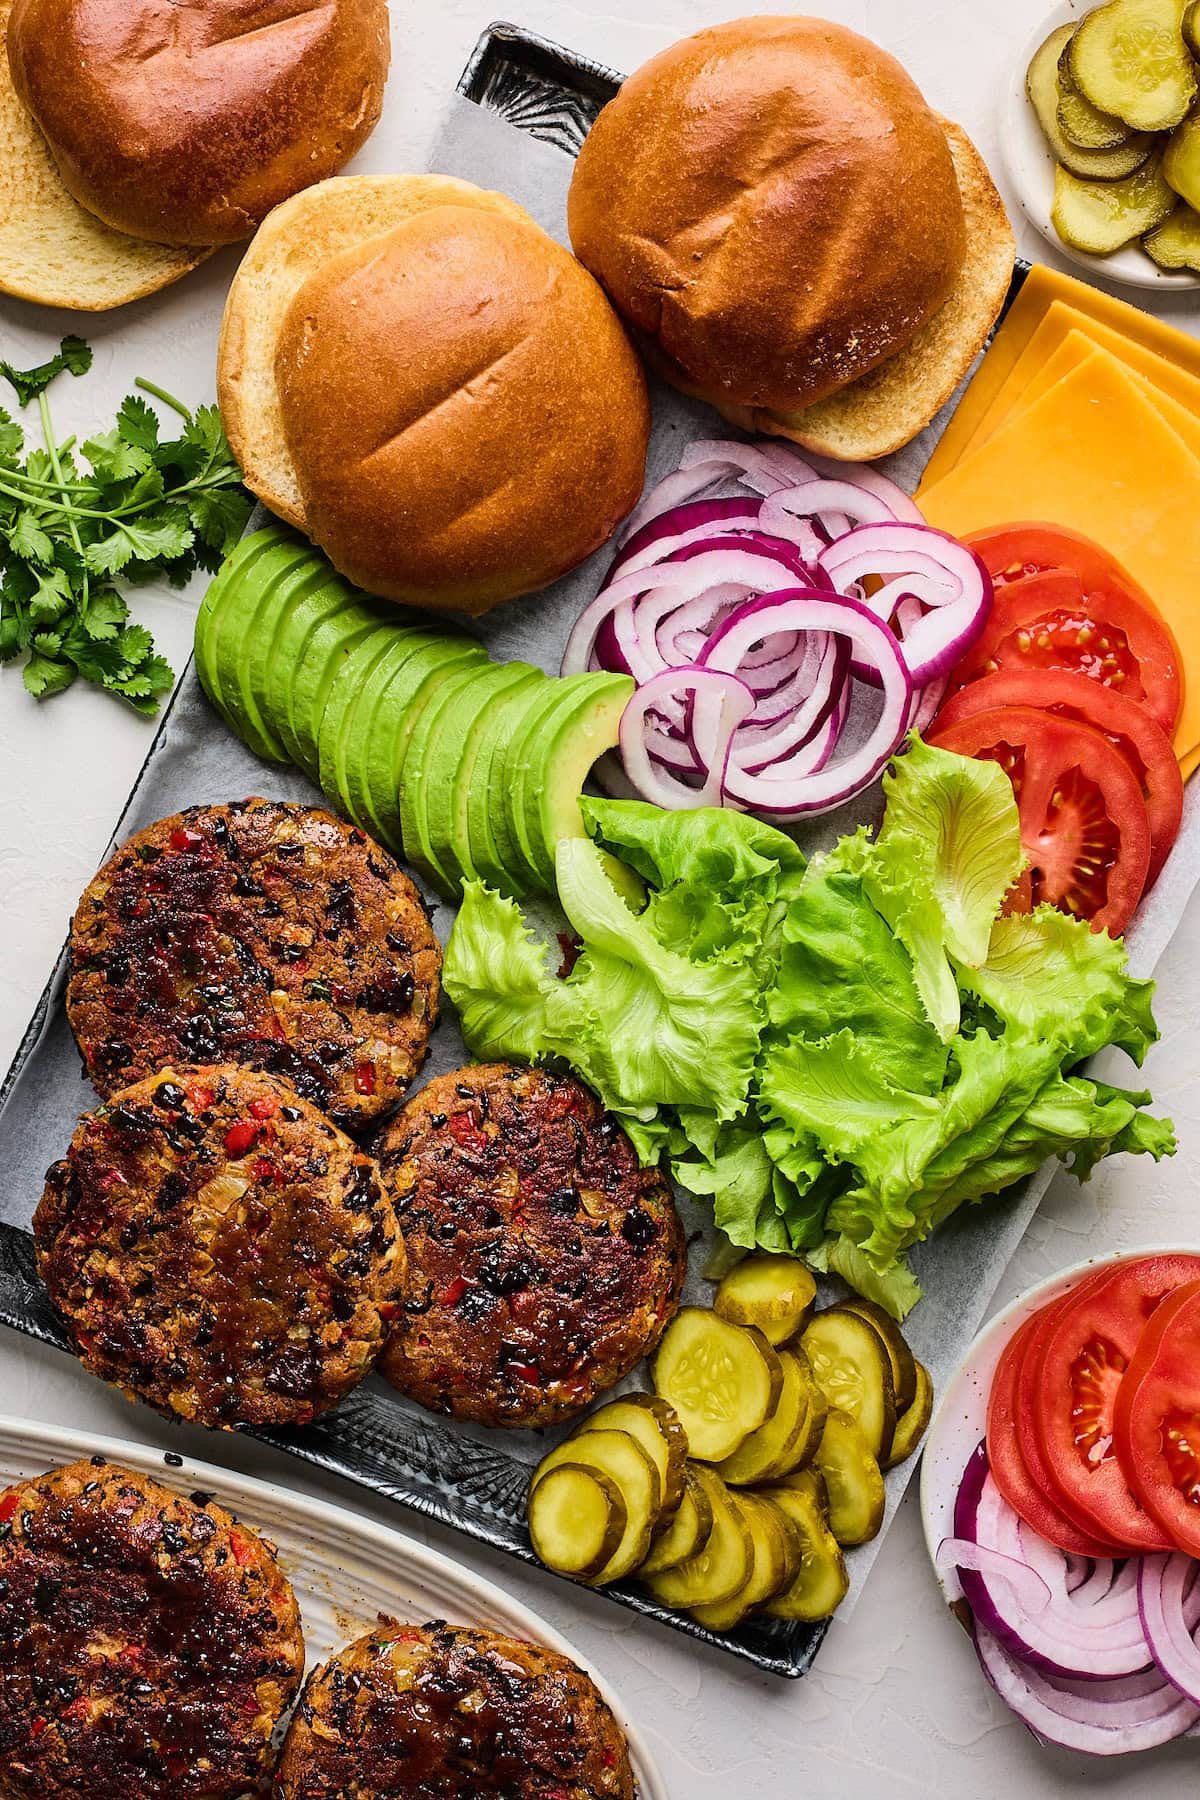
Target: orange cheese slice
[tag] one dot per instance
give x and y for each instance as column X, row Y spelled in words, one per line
column 1075, row 352
column 1095, row 455
column 1042, row 289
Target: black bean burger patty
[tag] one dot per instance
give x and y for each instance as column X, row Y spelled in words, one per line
column 149, row 1645
column 259, row 933
column 437, row 1713
column 543, row 1263
column 217, row 1247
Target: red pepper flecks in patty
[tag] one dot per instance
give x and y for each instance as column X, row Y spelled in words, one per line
column 260, row 933
column 543, row 1262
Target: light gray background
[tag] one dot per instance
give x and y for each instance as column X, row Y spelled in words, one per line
column 896, row 1704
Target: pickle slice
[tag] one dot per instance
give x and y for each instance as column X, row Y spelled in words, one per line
column 1080, row 122
column 1181, row 160
column 722, row 1568
column 773, row 1558
column 775, row 1293
column 778, row 1445
column 914, row 1420
column 904, row 1367
column 853, row 1480
column 814, row 1419
column 1129, row 58
column 722, row 1380
column 622, row 1459
column 1191, row 27
column 688, row 1531
column 1045, row 88
column 821, row 1583
column 654, row 1425
column 577, row 1519
column 852, row 1366
column 1103, row 216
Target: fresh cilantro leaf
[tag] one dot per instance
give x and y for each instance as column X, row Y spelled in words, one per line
column 151, row 542
column 113, row 459
column 44, row 676
column 12, row 439
column 219, row 516
column 105, row 614
column 10, row 636
column 138, row 423
column 73, row 354
column 51, row 598
column 27, row 539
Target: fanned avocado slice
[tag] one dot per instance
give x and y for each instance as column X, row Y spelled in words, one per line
column 408, row 692
column 238, row 587
column 503, row 721
column 355, row 676
column 332, row 641
column 358, row 747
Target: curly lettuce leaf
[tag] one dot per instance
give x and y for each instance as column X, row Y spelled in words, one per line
column 894, row 1287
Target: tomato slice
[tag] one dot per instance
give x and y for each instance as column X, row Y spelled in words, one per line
column 1062, row 602
column 1009, row 1469
column 1078, row 1373
column 1139, row 738
column 1084, row 825
column 1156, row 1426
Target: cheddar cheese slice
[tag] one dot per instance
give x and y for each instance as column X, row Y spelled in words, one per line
column 1095, row 455
column 1043, row 288
column 1078, row 351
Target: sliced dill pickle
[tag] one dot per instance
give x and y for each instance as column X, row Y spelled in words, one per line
column 577, row 1519
column 1191, row 27
column 722, row 1380
column 904, row 1367
column 687, row 1533
column 776, row 1293
column 722, row 1568
column 1176, row 244
column 814, row 1419
column 1103, row 216
column 622, row 1459
column 777, row 1446
column 821, row 1582
column 1045, row 88
column 852, row 1477
column 1079, row 121
column 1181, row 160
column 914, row 1420
column 772, row 1565
column 1129, row 59
column 654, row 1425
column 851, row 1365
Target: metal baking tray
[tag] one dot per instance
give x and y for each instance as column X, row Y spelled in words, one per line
column 463, row 1476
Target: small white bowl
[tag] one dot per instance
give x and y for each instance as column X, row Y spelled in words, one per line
column 1030, row 164
column 960, row 1420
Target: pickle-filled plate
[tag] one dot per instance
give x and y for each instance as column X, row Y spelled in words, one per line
column 1030, row 162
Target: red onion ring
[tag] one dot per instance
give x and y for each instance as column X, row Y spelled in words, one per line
column 721, row 702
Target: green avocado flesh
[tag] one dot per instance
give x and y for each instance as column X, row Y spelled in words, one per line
column 409, row 692
column 238, row 588
column 482, row 858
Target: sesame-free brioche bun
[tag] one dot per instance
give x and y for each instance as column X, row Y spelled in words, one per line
column 52, row 250
column 778, row 215
column 186, row 121
column 416, row 375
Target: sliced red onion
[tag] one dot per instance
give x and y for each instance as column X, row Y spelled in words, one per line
column 720, row 702
column 926, row 703
column 834, row 503
column 763, row 467
column 680, row 525
column 1170, row 1610
column 1104, row 1718
column 915, row 562
column 902, row 505
column 1028, row 1589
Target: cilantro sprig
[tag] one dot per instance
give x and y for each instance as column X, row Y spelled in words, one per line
column 127, row 507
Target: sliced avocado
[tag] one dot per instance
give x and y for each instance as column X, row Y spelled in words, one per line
column 271, row 627
column 357, row 747
column 556, row 763
column 516, row 872
column 453, row 785
column 355, row 676
column 247, row 618
column 502, row 724
column 239, row 569
column 455, row 722
column 408, row 692
column 333, row 640
column 424, row 747
column 291, row 637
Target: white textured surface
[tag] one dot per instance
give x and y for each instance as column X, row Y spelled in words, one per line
column 896, row 1704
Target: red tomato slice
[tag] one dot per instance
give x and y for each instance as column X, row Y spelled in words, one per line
column 1077, row 1375
column 1157, row 1421
column 1141, row 741
column 1009, row 1469
column 1084, row 825
column 1062, row 603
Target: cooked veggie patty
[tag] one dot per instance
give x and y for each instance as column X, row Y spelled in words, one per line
column 258, row 933
column 451, row 1714
column 217, row 1247
column 543, row 1262
column 149, row 1645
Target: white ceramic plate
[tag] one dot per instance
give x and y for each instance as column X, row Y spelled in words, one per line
column 346, row 1570
column 1030, row 164
column 961, row 1417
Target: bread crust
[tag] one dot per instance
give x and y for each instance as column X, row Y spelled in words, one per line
column 186, row 123
column 466, row 418
column 772, row 207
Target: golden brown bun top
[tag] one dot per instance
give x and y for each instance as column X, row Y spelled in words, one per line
column 772, row 204
column 186, row 121
column 466, row 417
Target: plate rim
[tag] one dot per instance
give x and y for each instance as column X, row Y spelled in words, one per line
column 978, row 1363
column 1028, row 161
column 67, row 1444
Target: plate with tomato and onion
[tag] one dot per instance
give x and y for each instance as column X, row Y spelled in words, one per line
column 1075, row 687
column 1060, row 1497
